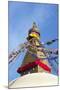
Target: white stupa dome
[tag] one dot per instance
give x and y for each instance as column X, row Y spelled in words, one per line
column 34, row 79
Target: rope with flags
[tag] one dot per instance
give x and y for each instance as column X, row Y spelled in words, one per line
column 53, row 53
column 21, row 47
column 51, row 42
column 13, row 55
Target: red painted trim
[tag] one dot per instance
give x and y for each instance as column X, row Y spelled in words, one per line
column 33, row 64
column 44, row 66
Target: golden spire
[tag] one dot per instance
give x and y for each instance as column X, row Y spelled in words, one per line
column 34, row 32
column 34, row 27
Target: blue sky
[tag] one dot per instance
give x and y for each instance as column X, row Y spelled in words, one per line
column 21, row 15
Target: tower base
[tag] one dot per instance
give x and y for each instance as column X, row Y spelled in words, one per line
column 34, row 67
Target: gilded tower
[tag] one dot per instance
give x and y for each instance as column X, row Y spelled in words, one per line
column 35, row 59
